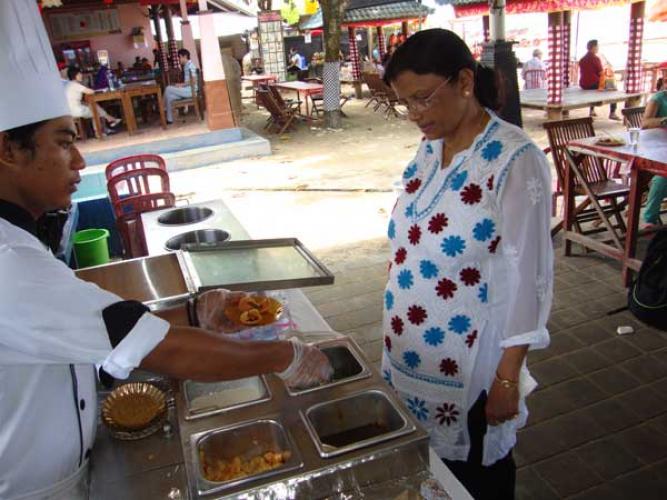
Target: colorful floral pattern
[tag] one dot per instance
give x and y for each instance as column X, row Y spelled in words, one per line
column 405, row 279
column 410, row 172
column 388, row 300
column 469, row 276
column 493, row 246
column 449, row 367
column 446, row 288
column 418, row 408
column 397, row 325
column 428, row 269
column 483, row 294
column 447, row 414
column 417, row 315
column 413, row 186
column 459, row 324
column 453, row 246
column 391, row 230
column 437, row 223
column 489, row 183
column 484, row 230
column 415, row 234
column 434, row 336
column 410, row 210
column 470, row 339
column 459, row 180
column 471, row 194
column 492, row 150
column 412, row 359
column 387, row 342
column 400, row 256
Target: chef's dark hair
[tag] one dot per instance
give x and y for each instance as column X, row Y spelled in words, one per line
column 442, row 52
column 72, row 71
column 24, row 136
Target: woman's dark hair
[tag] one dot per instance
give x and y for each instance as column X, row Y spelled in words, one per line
column 24, row 136
column 442, row 52
column 72, row 71
column 184, row 52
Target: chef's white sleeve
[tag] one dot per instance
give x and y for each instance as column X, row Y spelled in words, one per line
column 49, row 316
column 525, row 203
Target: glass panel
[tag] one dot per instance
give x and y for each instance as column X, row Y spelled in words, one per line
column 248, row 265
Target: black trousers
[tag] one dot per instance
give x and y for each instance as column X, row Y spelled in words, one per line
column 494, row 482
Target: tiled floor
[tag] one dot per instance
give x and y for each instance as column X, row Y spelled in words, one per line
column 598, row 421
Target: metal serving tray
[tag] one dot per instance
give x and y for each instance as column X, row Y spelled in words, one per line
column 256, row 265
column 206, row 399
column 245, row 440
column 347, row 424
column 347, row 364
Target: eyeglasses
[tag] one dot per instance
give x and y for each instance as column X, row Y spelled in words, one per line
column 420, row 104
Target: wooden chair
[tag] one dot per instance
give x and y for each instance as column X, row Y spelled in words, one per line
column 282, row 117
column 376, row 95
column 133, row 192
column 282, row 102
column 592, row 178
column 633, row 117
column 194, row 101
column 535, row 78
column 384, row 94
column 134, row 163
column 83, row 126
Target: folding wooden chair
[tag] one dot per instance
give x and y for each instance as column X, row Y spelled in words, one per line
column 282, row 117
column 633, row 117
column 592, row 179
column 193, row 101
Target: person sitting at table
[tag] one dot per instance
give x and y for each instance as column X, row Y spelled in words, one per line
column 534, row 64
column 298, row 64
column 655, row 116
column 590, row 73
column 137, row 63
column 146, row 65
column 180, row 90
column 74, row 90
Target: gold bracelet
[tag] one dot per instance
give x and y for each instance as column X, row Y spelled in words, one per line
column 506, row 384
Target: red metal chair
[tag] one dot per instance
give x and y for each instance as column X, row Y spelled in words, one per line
column 133, row 163
column 535, row 78
column 133, row 192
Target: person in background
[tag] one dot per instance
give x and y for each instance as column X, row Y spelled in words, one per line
column 181, row 90
column 471, row 277
column 146, row 65
column 137, row 63
column 120, row 69
column 246, row 63
column 156, row 58
column 591, row 72
column 655, row 116
column 534, row 80
column 297, row 63
column 75, row 90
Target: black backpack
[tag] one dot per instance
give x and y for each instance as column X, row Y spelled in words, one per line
column 647, row 296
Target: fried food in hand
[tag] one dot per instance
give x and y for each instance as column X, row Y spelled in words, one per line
column 251, row 317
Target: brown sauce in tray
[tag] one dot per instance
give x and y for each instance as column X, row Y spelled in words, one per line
column 354, row 435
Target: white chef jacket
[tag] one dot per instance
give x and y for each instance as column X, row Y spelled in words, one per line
column 52, row 333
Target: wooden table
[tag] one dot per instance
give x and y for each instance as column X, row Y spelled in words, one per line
column 573, row 98
column 258, row 80
column 143, row 89
column 648, row 158
column 305, row 88
column 125, row 95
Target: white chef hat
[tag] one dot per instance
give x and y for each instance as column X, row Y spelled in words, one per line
column 31, row 89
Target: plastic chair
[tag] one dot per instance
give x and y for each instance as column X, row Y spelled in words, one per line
column 535, row 78
column 132, row 193
column 134, row 163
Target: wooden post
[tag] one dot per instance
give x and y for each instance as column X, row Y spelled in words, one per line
column 486, row 27
column 404, row 29
column 567, row 28
column 554, row 76
column 172, row 48
column 382, row 44
column 369, row 35
column 633, row 73
column 162, row 60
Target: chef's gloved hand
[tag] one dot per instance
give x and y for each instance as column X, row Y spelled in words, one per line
column 309, row 367
column 210, row 310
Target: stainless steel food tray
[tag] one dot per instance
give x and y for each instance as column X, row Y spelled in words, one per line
column 192, row 390
column 271, row 264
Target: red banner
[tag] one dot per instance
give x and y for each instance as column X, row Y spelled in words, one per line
column 530, row 6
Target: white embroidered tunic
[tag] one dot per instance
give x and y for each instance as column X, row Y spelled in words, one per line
column 471, row 274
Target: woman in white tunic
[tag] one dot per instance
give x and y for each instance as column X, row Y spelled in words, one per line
column 470, row 282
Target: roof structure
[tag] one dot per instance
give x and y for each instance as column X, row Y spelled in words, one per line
column 464, row 8
column 373, row 12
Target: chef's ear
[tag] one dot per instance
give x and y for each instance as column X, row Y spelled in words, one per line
column 13, row 153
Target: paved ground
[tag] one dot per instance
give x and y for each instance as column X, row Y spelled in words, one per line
column 598, row 424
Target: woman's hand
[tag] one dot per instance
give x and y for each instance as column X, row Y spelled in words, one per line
column 502, row 404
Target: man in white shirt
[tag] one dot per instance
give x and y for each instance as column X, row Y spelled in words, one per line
column 75, row 90
column 181, row 90
column 534, row 71
column 54, row 327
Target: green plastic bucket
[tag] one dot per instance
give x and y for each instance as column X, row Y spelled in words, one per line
column 91, row 247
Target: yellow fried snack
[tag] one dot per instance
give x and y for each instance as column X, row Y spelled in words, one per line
column 253, row 302
column 251, row 317
column 222, row 470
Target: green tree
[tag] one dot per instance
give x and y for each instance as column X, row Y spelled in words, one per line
column 333, row 12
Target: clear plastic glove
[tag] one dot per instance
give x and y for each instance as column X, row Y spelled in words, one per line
column 309, row 367
column 211, row 310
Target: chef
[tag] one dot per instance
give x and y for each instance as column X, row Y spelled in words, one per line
column 55, row 328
